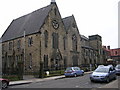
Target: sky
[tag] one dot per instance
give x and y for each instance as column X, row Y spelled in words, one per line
column 92, row 16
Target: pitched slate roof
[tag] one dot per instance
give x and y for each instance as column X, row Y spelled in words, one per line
column 84, row 37
column 67, row 22
column 30, row 23
column 87, row 47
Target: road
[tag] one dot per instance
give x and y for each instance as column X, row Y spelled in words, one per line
column 72, row 82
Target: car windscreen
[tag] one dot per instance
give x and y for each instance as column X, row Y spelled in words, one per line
column 76, row 68
column 118, row 66
column 102, row 70
column 68, row 69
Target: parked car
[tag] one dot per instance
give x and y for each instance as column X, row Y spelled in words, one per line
column 4, row 83
column 73, row 71
column 103, row 73
column 100, row 65
column 111, row 66
column 117, row 68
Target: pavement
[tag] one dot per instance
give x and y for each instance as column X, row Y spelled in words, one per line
column 113, row 84
column 27, row 81
column 34, row 80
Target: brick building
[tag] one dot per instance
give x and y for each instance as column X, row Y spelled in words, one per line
column 115, row 54
column 111, row 55
column 106, row 54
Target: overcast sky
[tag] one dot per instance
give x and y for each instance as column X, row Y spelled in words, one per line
column 92, row 16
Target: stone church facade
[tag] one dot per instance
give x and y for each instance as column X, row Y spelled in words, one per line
column 91, row 51
column 43, row 40
column 73, row 42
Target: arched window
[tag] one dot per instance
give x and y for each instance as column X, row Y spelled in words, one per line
column 74, row 42
column 46, row 38
column 64, row 43
column 10, row 45
column 30, row 61
column 55, row 11
column 30, row 41
column 55, row 40
column 18, row 44
column 45, row 62
column 75, row 60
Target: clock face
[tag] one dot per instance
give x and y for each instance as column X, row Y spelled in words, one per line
column 55, row 24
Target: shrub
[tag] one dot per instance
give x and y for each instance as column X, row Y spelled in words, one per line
column 12, row 77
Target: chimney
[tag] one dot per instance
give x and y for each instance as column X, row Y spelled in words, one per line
column 104, row 47
column 53, row 2
column 108, row 47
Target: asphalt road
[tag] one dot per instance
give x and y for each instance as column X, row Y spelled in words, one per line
column 73, row 82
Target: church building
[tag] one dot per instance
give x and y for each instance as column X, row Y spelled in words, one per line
column 42, row 40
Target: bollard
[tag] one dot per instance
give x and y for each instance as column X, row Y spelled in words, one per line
column 47, row 73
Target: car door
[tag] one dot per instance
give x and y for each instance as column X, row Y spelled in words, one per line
column 79, row 72
column 112, row 73
column 75, row 70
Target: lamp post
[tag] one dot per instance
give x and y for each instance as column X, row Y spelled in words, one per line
column 24, row 65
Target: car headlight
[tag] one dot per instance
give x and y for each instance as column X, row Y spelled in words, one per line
column 104, row 76
column 82, row 71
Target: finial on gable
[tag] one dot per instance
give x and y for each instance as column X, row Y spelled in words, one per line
column 53, row 2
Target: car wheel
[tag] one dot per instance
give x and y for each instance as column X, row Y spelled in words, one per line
column 66, row 76
column 4, row 84
column 82, row 74
column 115, row 78
column 91, row 80
column 107, row 80
column 75, row 75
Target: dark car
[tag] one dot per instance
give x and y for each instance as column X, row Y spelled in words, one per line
column 73, row 71
column 103, row 73
column 117, row 68
column 4, row 83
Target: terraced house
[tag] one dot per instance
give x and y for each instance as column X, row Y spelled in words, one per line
column 41, row 41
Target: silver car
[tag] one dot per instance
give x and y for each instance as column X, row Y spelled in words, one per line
column 103, row 73
column 117, row 68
